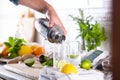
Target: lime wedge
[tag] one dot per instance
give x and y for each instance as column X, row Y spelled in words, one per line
column 73, row 56
column 29, row 62
column 61, row 63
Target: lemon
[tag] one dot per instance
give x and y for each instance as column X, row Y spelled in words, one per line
column 69, row 69
column 29, row 62
column 61, row 63
column 25, row 50
column 86, row 64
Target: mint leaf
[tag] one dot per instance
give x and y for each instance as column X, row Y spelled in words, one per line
column 91, row 33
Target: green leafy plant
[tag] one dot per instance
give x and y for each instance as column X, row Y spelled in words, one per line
column 91, row 33
column 14, row 44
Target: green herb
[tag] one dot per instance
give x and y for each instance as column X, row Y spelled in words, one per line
column 44, row 60
column 92, row 35
column 14, row 44
column 50, row 62
column 44, row 63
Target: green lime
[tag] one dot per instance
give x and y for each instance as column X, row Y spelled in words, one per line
column 72, row 56
column 12, row 55
column 29, row 62
column 86, row 64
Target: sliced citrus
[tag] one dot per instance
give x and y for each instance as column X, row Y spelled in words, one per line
column 69, row 69
column 29, row 62
column 73, row 56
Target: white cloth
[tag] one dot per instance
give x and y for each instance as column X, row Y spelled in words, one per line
column 48, row 73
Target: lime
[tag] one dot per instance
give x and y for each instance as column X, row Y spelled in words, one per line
column 61, row 63
column 12, row 55
column 73, row 56
column 69, row 69
column 86, row 64
column 29, row 62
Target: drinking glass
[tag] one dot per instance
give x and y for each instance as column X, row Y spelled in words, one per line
column 60, row 52
column 74, row 56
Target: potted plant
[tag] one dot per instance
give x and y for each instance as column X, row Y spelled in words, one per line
column 92, row 34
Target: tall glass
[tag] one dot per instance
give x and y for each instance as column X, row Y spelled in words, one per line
column 74, row 56
column 61, row 50
column 57, row 51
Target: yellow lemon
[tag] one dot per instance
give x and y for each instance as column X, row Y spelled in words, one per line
column 69, row 69
column 25, row 50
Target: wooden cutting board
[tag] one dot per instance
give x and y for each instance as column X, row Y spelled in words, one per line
column 22, row 69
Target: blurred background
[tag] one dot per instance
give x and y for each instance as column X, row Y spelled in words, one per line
column 99, row 9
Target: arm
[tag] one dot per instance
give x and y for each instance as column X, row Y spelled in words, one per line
column 43, row 7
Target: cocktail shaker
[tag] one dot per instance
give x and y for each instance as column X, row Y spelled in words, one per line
column 53, row 34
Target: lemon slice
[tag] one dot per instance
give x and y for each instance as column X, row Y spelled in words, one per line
column 61, row 63
column 69, row 69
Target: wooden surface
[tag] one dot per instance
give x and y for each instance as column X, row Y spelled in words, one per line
column 116, row 39
column 22, row 69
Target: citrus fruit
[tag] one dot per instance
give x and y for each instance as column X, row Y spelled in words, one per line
column 25, row 50
column 86, row 64
column 29, row 62
column 38, row 51
column 73, row 56
column 61, row 63
column 4, row 52
column 33, row 47
column 69, row 69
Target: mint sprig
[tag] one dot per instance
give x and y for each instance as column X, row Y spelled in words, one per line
column 14, row 44
column 92, row 34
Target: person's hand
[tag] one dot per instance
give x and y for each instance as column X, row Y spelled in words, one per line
column 54, row 19
column 43, row 7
